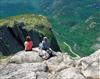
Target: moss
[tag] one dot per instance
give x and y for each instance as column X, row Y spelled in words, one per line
column 31, row 21
column 3, row 57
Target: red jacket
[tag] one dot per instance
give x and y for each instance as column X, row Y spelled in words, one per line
column 28, row 45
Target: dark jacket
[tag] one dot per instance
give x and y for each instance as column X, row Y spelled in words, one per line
column 44, row 45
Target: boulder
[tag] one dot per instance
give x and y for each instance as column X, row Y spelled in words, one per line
column 89, row 60
column 56, row 59
column 70, row 73
column 29, row 65
column 44, row 54
column 24, row 71
column 29, row 57
column 52, row 76
column 42, row 75
column 92, row 69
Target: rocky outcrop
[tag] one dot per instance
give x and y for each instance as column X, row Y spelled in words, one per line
column 14, row 30
column 24, row 71
column 8, row 44
column 91, row 65
column 70, row 73
column 29, row 65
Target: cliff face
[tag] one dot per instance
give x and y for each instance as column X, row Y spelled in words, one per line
column 14, row 30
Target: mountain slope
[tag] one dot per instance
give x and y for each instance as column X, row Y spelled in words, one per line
column 70, row 22
column 68, row 17
column 13, row 31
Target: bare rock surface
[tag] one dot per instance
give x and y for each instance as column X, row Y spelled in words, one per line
column 29, row 65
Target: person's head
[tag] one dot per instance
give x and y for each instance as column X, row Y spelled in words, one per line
column 28, row 38
column 45, row 39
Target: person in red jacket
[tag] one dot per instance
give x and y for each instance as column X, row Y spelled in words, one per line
column 28, row 44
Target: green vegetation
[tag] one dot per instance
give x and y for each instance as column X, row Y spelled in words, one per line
column 16, row 28
column 31, row 21
column 28, row 19
column 83, row 34
column 76, row 22
column 3, row 57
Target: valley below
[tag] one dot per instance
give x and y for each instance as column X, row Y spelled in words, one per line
column 76, row 22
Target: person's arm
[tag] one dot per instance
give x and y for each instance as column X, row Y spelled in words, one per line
column 40, row 46
column 24, row 44
column 32, row 43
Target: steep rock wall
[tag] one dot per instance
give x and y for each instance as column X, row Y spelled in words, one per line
column 12, row 37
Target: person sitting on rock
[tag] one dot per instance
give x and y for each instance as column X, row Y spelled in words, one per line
column 28, row 44
column 44, row 45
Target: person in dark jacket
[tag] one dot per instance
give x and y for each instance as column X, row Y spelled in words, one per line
column 44, row 45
